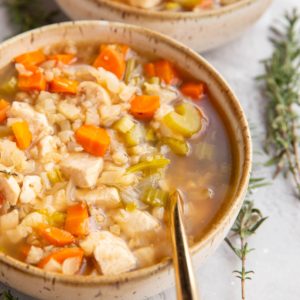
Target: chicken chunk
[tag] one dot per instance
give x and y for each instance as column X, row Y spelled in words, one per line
column 9, row 220
column 35, row 254
column 94, row 92
column 136, row 222
column 32, row 186
column 47, row 145
column 111, row 252
column 84, row 169
column 107, row 197
column 10, row 189
column 38, row 122
column 110, row 114
column 145, row 256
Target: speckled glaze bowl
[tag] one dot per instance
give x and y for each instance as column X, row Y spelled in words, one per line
column 199, row 30
column 137, row 284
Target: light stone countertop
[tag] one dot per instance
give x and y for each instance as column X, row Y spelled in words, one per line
column 276, row 259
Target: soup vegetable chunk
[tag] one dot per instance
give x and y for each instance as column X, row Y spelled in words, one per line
column 92, row 141
column 179, row 5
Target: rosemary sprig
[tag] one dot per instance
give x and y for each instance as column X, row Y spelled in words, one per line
column 248, row 221
column 282, row 87
column 28, row 14
column 7, row 295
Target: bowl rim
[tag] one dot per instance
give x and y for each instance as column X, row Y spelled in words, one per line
column 154, row 14
column 139, row 274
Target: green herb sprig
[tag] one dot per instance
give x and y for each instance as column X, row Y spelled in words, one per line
column 282, row 88
column 7, row 295
column 248, row 221
column 28, row 14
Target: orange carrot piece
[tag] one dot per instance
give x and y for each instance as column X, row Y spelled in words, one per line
column 206, row 4
column 62, row 58
column 63, row 85
column 33, row 82
column 77, row 219
column 61, row 255
column 94, row 140
column 4, row 106
column 166, row 71
column 56, row 236
column 111, row 60
column 193, row 90
column 32, row 58
column 22, row 134
column 2, row 199
column 143, row 107
column 25, row 251
column 149, row 69
column 124, row 49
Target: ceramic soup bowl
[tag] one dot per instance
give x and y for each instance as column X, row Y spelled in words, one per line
column 145, row 282
column 199, row 30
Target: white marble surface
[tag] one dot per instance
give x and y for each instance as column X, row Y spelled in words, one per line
column 276, row 259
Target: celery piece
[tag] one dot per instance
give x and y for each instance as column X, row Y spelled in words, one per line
column 124, row 125
column 131, row 206
column 172, row 6
column 55, row 176
column 57, row 219
column 129, row 69
column 150, row 135
column 134, row 136
column 155, row 197
column 154, row 164
column 10, row 86
column 5, row 131
column 185, row 120
column 177, row 146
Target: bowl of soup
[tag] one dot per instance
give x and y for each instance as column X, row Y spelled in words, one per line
column 201, row 25
column 100, row 122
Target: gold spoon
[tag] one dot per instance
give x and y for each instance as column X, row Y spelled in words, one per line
column 185, row 279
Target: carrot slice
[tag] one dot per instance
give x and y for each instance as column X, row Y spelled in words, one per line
column 25, row 249
column 32, row 58
column 62, row 58
column 56, row 236
column 143, row 107
column 77, row 219
column 22, row 134
column 193, row 90
column 4, row 106
column 63, row 85
column 61, row 255
column 149, row 69
column 166, row 71
column 33, row 82
column 111, row 60
column 94, row 140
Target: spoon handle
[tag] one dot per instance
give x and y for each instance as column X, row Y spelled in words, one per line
column 185, row 280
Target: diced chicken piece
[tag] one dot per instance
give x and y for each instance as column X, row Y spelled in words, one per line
column 162, row 111
column 127, row 92
column 84, row 169
column 32, row 186
column 144, row 3
column 110, row 114
column 35, row 254
column 33, row 220
column 69, row 110
column 71, row 265
column 136, row 222
column 145, row 256
column 109, row 80
column 92, row 116
column 94, row 92
column 111, row 252
column 106, row 197
column 10, row 189
column 9, row 220
column 38, row 121
column 17, row 234
column 53, row 266
column 47, row 145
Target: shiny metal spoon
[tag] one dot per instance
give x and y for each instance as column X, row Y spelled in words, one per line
column 186, row 287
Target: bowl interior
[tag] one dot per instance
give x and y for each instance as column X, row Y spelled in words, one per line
column 155, row 44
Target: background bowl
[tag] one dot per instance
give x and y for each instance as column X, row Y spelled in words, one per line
column 138, row 284
column 199, row 30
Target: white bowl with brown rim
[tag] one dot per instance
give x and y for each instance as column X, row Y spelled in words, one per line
column 145, row 282
column 200, row 31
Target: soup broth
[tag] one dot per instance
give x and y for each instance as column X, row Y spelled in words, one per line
column 94, row 138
